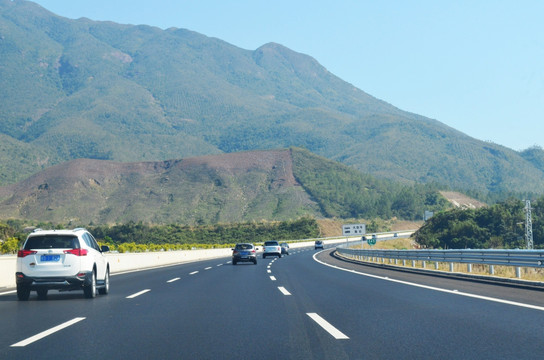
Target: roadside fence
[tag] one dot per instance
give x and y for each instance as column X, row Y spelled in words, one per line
column 489, row 257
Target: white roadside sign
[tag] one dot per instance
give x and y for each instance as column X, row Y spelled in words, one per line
column 353, row 229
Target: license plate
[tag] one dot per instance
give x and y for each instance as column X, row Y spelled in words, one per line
column 50, row 258
column 244, row 253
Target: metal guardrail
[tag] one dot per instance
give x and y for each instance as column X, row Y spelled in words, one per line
column 516, row 258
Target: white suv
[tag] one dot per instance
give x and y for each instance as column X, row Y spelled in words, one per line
column 271, row 248
column 62, row 260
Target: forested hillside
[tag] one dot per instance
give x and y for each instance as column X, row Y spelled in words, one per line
column 271, row 185
column 99, row 90
column 498, row 226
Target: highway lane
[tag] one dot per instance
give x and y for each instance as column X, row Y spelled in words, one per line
column 214, row 310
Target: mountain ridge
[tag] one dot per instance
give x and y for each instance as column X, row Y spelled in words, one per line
column 101, row 90
column 224, row 188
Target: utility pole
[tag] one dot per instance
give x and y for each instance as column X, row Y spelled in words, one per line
column 528, row 225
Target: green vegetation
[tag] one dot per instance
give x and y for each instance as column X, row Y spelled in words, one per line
column 139, row 237
column 344, row 192
column 498, row 226
column 219, row 234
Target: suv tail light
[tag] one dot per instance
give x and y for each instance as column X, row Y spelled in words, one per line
column 23, row 253
column 76, row 252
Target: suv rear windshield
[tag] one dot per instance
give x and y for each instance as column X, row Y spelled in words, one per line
column 244, row 247
column 52, row 242
column 271, row 243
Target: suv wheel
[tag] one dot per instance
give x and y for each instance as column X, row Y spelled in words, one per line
column 106, row 289
column 90, row 290
column 23, row 292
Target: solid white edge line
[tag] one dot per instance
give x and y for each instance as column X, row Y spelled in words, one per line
column 45, row 333
column 172, row 280
column 8, row 292
column 138, row 294
column 284, row 291
column 455, row 292
column 337, row 334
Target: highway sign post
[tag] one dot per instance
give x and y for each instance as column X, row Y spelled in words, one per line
column 353, row 230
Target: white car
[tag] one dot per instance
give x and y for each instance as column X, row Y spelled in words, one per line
column 271, row 248
column 63, row 260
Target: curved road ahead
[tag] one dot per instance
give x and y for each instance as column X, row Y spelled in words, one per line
column 290, row 308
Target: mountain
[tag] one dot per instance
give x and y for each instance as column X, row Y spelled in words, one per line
column 100, row 90
column 236, row 187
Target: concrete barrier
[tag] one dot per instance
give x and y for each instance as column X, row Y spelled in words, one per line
column 139, row 261
column 7, row 271
column 135, row 261
column 124, row 262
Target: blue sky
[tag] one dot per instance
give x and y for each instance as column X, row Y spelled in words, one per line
column 477, row 66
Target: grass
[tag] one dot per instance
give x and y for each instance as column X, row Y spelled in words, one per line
column 531, row 274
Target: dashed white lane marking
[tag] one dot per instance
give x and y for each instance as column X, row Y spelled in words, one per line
column 45, row 333
column 194, row 272
column 219, row 264
column 138, row 294
column 337, row 334
column 284, row 290
column 273, row 278
column 269, row 271
column 208, row 268
column 172, row 280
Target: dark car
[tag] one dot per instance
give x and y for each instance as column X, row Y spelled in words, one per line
column 318, row 244
column 244, row 253
column 284, row 248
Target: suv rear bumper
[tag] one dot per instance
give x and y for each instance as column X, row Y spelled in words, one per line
column 56, row 282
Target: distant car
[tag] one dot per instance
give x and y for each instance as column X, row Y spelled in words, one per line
column 244, row 252
column 318, row 244
column 284, row 248
column 62, row 260
column 271, row 248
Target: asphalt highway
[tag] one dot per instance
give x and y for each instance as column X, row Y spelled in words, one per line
column 307, row 305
